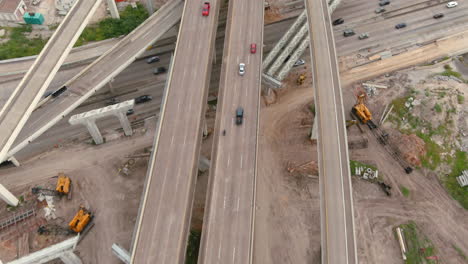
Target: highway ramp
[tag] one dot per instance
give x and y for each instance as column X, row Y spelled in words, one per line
column 24, row 99
column 98, row 73
column 164, row 217
column 229, row 212
column 336, row 203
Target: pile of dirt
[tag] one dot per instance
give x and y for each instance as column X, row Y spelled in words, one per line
column 412, row 148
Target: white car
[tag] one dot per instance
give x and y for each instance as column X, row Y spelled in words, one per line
column 241, row 69
column 299, row 62
column 452, row 4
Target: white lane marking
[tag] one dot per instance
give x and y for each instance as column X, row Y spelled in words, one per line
column 224, row 204
column 242, row 159
column 172, row 140
column 178, row 106
column 233, row 254
column 219, row 252
column 238, row 202
column 229, row 159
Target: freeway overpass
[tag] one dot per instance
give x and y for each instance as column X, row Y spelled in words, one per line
column 229, row 210
column 336, row 203
column 98, row 73
column 163, row 224
column 24, row 99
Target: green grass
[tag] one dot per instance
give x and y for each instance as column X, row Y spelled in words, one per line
column 459, row 163
column 20, row 46
column 312, row 108
column 107, row 28
column 438, row 108
column 419, row 247
column 432, row 158
column 405, row 191
column 193, row 247
column 460, row 99
column 451, row 73
column 460, row 252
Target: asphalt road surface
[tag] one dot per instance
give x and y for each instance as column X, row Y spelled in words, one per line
column 228, row 225
column 97, row 74
column 25, row 97
column 421, row 27
column 164, row 219
column 336, row 207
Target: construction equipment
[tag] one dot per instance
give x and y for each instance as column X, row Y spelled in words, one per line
column 300, row 80
column 361, row 111
column 63, row 187
column 350, row 123
column 81, row 220
column 385, row 187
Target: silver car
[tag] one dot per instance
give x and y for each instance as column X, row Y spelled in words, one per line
column 241, row 69
column 299, row 62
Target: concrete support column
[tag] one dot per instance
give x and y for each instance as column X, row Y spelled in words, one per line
column 121, row 253
column 113, row 9
column 205, row 129
column 284, row 39
column 313, row 132
column 294, row 57
column 68, row 257
column 150, row 7
column 14, row 161
column 127, row 128
column 7, row 196
column 289, row 49
column 94, row 131
column 111, row 86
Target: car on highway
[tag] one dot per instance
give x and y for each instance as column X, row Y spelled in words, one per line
column 452, row 4
column 437, row 16
column 348, row 32
column 379, row 10
column 152, row 59
column 299, row 62
column 253, row 48
column 239, row 115
column 130, row 111
column 364, row 36
column 241, row 69
column 338, row 21
column 47, row 93
column 143, row 99
column 206, row 9
column 401, row 25
column 384, row 2
column 159, row 70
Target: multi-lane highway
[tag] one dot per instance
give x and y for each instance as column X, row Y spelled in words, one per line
column 18, row 108
column 164, row 217
column 100, row 72
column 228, row 222
column 336, row 205
column 421, row 27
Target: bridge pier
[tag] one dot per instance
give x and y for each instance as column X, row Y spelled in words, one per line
column 7, row 196
column 89, row 119
column 113, row 9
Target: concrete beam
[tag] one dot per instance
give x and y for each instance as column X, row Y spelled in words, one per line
column 7, row 196
column 69, row 257
column 121, row 253
column 284, row 39
column 303, row 31
column 294, row 57
column 50, row 253
column 113, row 9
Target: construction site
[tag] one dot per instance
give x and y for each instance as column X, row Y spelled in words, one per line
column 106, row 180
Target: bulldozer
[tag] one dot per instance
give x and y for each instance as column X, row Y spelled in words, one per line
column 300, row 80
column 63, row 187
column 81, row 220
column 363, row 113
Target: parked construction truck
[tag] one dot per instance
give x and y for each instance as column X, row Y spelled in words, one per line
column 63, row 187
column 81, row 223
column 361, row 112
column 81, row 220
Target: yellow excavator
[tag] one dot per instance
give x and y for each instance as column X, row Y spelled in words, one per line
column 363, row 113
column 300, row 80
column 81, row 220
column 62, row 188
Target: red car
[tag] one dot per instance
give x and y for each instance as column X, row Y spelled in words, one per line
column 253, row 48
column 206, row 9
